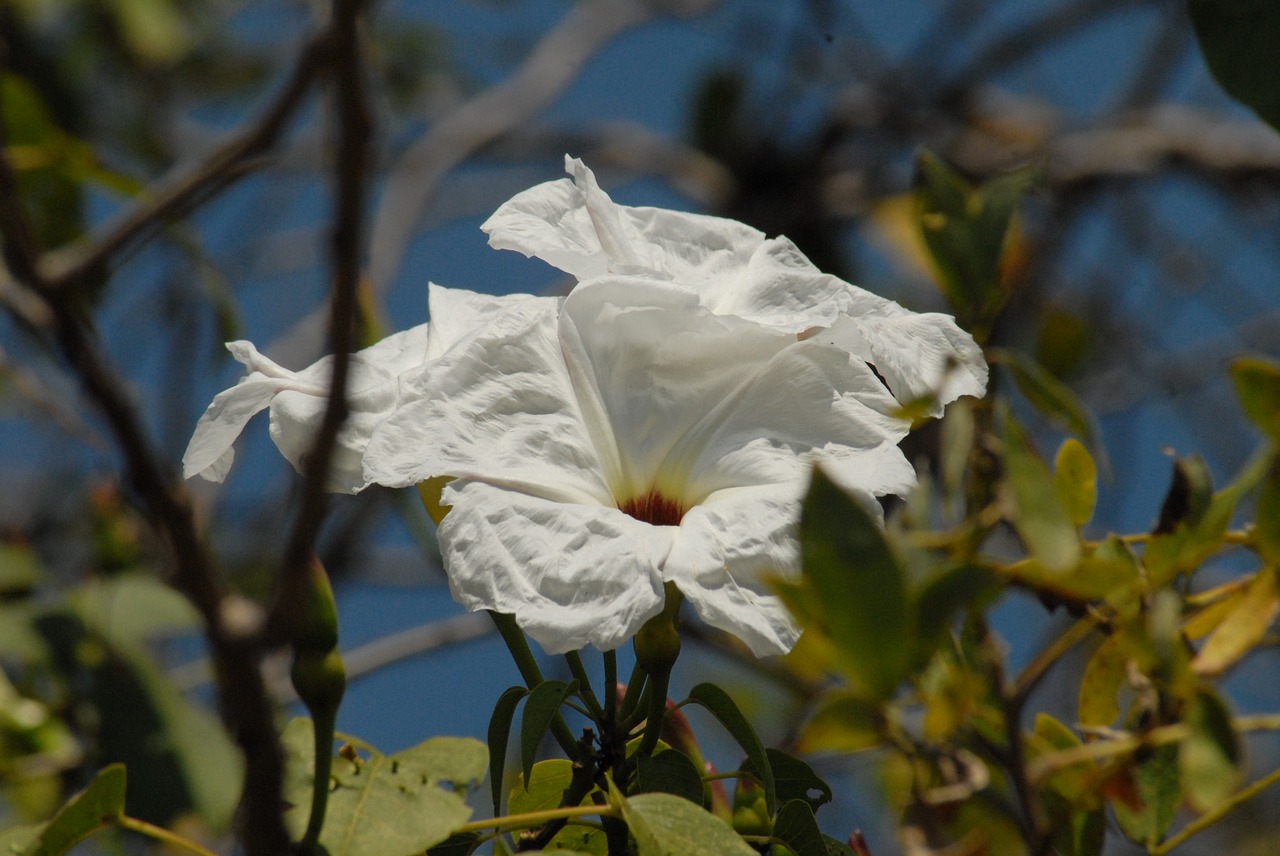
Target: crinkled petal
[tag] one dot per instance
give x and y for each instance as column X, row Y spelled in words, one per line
column 498, row 406
column 456, row 313
column 575, row 226
column 648, row 363
column 724, row 551
column 572, row 575
column 297, row 401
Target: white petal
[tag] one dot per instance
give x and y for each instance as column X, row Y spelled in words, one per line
column 210, row 452
column 648, row 364
column 497, row 406
column 723, row 552
column 573, row 575
column 575, row 226
column 809, row 398
column 455, row 313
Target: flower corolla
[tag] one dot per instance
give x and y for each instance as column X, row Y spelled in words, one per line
column 656, row 425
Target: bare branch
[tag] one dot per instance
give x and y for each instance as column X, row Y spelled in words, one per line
column 190, row 184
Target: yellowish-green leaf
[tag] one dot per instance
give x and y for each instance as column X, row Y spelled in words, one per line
column 1147, row 794
column 1243, row 627
column 1100, row 684
column 1075, row 480
column 842, row 723
column 1258, row 387
column 547, row 784
column 94, row 808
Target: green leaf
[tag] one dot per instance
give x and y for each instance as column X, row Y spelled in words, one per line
column 966, row 230
column 795, row 826
column 1239, row 38
column 1258, row 387
column 20, row 569
column 794, row 779
column 95, row 807
column 547, row 784
column 1150, row 791
column 1075, row 480
column 842, row 723
column 1200, row 535
column 385, row 805
column 1052, row 398
column 1266, row 528
column 669, row 772
column 542, row 706
column 946, row 596
column 666, row 825
column 1038, row 516
column 1190, row 492
column 1209, row 759
column 859, row 590
column 718, row 703
column 504, row 713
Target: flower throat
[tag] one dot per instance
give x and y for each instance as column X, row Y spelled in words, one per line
column 653, row 508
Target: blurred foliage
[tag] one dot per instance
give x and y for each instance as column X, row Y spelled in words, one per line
column 944, row 158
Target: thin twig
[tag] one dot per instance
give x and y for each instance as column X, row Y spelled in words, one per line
column 350, row 177
column 246, row 707
column 188, row 185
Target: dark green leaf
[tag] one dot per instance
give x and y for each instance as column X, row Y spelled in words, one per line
column 499, row 733
column 859, row 588
column 1210, row 756
column 796, row 827
column 718, row 703
column 457, row 845
column 1150, row 793
column 794, row 779
column 669, row 772
column 1266, row 528
column 946, row 596
column 1190, row 492
column 836, row 847
column 1052, row 398
column 1239, row 38
column 542, row 706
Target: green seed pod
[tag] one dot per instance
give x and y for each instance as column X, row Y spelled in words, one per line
column 316, row 629
column 320, row 680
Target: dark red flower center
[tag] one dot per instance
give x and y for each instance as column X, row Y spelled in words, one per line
column 654, row 508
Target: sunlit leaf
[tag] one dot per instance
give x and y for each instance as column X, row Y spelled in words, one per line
column 1075, row 480
column 859, row 587
column 1243, row 627
column 1238, row 38
column 1104, row 675
column 666, row 825
column 1209, row 759
column 385, row 805
column 95, row 807
column 1257, row 380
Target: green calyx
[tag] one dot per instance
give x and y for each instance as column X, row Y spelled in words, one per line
column 657, row 645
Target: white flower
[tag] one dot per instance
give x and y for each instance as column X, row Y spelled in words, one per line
column 736, row 270
column 630, row 438
column 658, row 425
column 297, row 399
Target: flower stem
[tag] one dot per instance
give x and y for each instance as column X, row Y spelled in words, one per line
column 518, row 645
column 635, row 688
column 537, row 818
column 657, row 714
column 161, row 834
